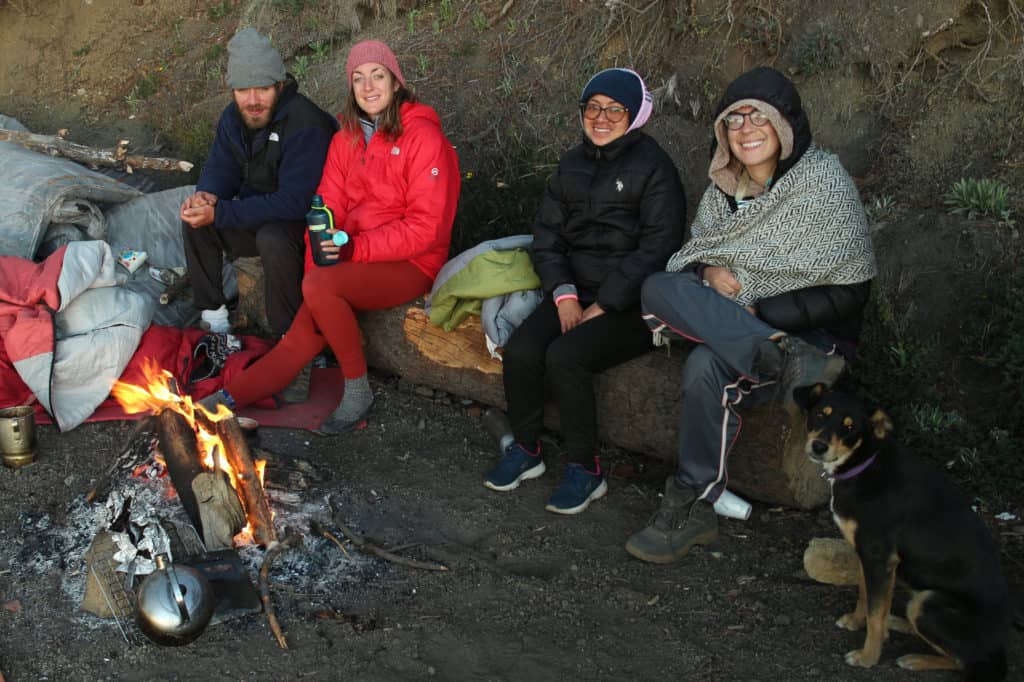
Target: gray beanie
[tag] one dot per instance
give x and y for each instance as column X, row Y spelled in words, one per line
column 252, row 61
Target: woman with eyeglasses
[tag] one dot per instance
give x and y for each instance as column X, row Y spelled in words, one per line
column 770, row 287
column 612, row 213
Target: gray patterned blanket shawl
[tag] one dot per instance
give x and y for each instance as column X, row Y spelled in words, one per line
column 809, row 230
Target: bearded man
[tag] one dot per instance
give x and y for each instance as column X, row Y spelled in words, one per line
column 257, row 184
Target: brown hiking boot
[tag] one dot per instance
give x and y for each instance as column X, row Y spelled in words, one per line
column 682, row 522
column 298, row 390
column 806, row 365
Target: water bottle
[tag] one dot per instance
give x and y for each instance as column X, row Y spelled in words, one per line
column 319, row 220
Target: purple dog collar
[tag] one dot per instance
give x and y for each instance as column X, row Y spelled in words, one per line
column 846, row 475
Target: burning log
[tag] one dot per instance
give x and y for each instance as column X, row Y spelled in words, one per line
column 184, row 463
column 247, row 478
column 219, row 509
column 135, row 450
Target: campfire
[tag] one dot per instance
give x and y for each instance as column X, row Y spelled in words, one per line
column 209, row 462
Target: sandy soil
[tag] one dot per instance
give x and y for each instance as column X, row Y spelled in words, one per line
column 530, row 595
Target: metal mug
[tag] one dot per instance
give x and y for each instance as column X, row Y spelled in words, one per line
column 18, row 435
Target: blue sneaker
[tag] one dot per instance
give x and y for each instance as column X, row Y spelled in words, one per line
column 517, row 465
column 577, row 490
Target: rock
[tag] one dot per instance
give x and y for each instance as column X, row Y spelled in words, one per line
column 832, row 561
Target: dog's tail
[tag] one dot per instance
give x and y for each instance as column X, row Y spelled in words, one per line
column 990, row 669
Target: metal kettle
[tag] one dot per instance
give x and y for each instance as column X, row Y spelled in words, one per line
column 174, row 603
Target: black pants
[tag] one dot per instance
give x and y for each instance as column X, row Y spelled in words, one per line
column 280, row 246
column 539, row 350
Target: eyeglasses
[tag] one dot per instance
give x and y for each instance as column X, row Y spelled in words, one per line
column 614, row 113
column 734, row 121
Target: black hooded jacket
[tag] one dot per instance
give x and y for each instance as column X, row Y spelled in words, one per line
column 610, row 216
column 835, row 309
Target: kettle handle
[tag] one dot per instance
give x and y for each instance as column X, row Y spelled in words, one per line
column 179, row 598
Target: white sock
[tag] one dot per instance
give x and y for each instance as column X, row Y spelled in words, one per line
column 217, row 320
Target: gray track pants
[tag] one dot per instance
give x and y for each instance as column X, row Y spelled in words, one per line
column 718, row 373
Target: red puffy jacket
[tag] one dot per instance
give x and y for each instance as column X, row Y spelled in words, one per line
column 395, row 198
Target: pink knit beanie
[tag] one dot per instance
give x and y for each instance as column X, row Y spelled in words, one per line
column 372, row 51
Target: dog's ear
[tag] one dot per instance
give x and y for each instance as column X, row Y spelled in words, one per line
column 881, row 424
column 807, row 396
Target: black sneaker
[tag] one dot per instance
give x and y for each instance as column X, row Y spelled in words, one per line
column 517, row 464
column 576, row 491
column 806, row 365
column 682, row 522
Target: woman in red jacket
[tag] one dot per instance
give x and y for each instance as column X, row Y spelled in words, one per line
column 392, row 181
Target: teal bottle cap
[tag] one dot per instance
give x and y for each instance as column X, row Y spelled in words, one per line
column 340, row 238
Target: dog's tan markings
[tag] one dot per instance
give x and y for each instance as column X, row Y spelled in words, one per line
column 881, row 424
column 847, row 422
column 839, row 451
column 878, row 607
column 899, row 624
column 917, row 662
column 848, row 527
column 856, row 619
column 827, row 410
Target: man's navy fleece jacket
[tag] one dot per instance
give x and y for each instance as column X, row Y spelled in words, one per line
column 303, row 132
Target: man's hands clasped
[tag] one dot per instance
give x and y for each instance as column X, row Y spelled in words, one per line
column 198, row 209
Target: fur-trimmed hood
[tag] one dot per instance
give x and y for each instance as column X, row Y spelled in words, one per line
column 784, row 109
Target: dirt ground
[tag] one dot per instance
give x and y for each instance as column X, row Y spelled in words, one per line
column 530, row 595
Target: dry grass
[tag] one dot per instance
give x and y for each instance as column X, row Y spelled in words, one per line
column 339, row 14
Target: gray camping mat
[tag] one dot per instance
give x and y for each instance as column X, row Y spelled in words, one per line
column 37, row 191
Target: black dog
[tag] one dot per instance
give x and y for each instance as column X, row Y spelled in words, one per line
column 906, row 520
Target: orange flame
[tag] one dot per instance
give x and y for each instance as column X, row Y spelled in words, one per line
column 156, row 394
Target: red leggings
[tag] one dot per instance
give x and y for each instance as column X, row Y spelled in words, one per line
column 331, row 296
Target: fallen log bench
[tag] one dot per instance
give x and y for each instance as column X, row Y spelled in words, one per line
column 638, row 402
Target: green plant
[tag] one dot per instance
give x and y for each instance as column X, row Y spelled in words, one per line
column 321, row 49
column 480, row 22
column 422, row 63
column 214, row 72
column 445, row 12
column 907, row 359
column 980, row 197
column 219, row 11
column 211, row 67
column 293, row 7
column 933, row 419
column 214, row 52
column 760, row 31
column 301, row 66
column 143, row 89
column 967, row 457
column 410, row 20
column 316, row 23
column 880, row 208
column 82, row 51
column 817, row 52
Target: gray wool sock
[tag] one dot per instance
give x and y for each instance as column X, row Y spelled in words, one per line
column 355, row 402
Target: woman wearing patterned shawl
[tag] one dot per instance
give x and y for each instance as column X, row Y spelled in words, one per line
column 770, row 286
